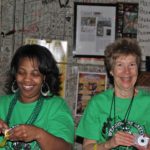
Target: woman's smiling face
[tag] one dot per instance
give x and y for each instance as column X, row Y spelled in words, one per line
column 125, row 72
column 29, row 79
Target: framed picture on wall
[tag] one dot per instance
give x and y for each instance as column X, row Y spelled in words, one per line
column 94, row 28
column 127, row 20
column 88, row 84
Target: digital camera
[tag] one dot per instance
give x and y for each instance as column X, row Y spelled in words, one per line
column 141, row 140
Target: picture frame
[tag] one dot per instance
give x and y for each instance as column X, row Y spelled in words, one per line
column 88, row 84
column 127, row 20
column 94, row 28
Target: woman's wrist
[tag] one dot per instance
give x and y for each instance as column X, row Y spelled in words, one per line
column 38, row 136
column 103, row 146
column 107, row 145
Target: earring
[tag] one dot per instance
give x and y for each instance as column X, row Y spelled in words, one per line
column 45, row 89
column 14, row 87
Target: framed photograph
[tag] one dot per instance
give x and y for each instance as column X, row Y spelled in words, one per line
column 59, row 48
column 88, row 84
column 127, row 20
column 94, row 28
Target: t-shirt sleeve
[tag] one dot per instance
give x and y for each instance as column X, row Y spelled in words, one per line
column 61, row 123
column 89, row 126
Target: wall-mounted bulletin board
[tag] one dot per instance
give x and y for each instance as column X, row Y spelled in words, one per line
column 94, row 28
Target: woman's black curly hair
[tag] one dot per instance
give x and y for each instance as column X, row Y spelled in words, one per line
column 47, row 66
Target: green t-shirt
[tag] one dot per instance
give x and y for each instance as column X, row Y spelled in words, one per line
column 91, row 125
column 55, row 117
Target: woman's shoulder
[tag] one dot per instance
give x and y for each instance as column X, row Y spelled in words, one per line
column 143, row 92
column 56, row 101
column 144, row 95
column 55, row 98
column 57, row 104
column 102, row 97
column 107, row 93
column 6, row 97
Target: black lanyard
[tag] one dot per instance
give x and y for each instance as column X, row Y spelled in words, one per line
column 127, row 112
column 107, row 124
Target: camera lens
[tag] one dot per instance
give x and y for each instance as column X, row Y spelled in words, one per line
column 142, row 140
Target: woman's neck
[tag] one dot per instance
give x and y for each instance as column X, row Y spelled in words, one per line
column 125, row 93
column 28, row 99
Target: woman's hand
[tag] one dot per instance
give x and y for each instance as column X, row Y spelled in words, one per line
column 27, row 133
column 148, row 146
column 3, row 126
column 24, row 133
column 121, row 138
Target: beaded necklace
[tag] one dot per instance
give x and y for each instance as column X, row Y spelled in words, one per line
column 33, row 115
column 36, row 111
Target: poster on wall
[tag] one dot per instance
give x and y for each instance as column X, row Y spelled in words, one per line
column 88, row 84
column 127, row 20
column 143, row 35
column 94, row 28
column 59, row 49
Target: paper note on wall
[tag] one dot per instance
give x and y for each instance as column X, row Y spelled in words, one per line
column 143, row 35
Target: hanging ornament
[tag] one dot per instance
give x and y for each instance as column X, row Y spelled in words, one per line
column 64, row 3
